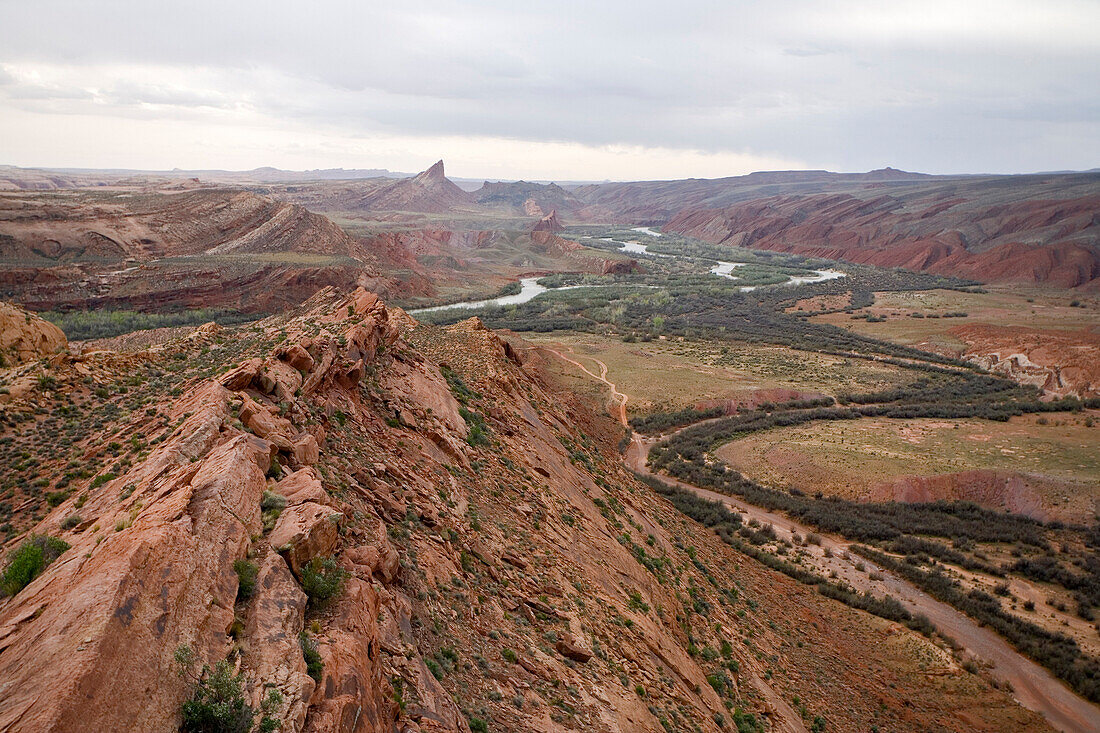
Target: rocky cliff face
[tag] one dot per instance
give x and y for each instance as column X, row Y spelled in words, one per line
column 489, row 561
column 428, row 192
column 144, row 225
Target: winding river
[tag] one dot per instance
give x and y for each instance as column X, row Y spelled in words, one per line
column 529, row 288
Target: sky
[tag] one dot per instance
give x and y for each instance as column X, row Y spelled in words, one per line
column 593, row 90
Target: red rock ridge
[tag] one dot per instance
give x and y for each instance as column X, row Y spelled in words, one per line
column 1050, row 241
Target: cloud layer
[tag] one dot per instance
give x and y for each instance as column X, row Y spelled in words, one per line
column 565, row 90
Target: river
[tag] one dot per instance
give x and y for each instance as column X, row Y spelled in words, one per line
column 529, row 288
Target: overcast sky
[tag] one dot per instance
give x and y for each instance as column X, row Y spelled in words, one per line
column 599, row 89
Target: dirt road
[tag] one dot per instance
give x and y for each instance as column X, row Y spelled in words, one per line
column 619, row 397
column 1033, row 686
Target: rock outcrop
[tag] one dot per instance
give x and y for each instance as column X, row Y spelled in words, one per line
column 25, row 337
column 549, row 223
column 1060, row 363
column 208, row 247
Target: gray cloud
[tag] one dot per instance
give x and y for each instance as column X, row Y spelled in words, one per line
column 937, row 86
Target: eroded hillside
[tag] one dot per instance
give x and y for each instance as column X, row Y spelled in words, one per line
column 394, row 526
column 157, row 249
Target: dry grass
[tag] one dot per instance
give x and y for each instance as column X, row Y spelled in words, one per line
column 669, row 375
column 1002, row 306
column 847, row 458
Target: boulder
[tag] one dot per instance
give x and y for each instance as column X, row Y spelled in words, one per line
column 302, row 486
column 305, row 451
column 386, row 501
column 26, row 337
column 111, row 614
column 570, row 647
column 296, row 356
column 376, row 557
column 279, row 379
column 352, row 693
column 269, row 427
column 305, row 531
column 243, row 376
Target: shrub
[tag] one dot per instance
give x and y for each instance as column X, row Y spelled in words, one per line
column 478, row 433
column 70, row 521
column 27, row 562
column 56, row 497
column 636, row 602
column 246, row 578
column 217, row 703
column 509, row 655
column 315, row 666
column 322, row 579
column 271, row 506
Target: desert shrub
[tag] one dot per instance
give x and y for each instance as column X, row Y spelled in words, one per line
column 217, row 703
column 477, row 434
column 728, row 526
column 246, row 578
column 54, row 498
column 459, row 389
column 315, row 666
column 322, row 580
column 271, row 506
column 70, row 521
column 26, row 562
column 636, row 603
column 659, row 422
column 1056, row 651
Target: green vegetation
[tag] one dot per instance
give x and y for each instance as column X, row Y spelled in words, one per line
column 218, row 704
column 26, row 562
column 478, row 433
column 315, row 666
column 322, row 580
column 512, row 288
column 1057, row 652
column 81, row 325
column 659, row 422
column 271, row 506
column 246, row 578
column 459, row 389
column 727, row 525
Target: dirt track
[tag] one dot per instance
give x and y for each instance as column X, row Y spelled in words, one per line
column 1033, row 686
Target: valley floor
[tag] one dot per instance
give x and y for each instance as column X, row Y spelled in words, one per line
column 831, row 555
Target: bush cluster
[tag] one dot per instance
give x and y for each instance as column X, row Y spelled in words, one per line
column 26, row 562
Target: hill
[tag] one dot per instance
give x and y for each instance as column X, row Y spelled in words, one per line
column 150, row 248
column 389, row 526
column 1040, row 229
